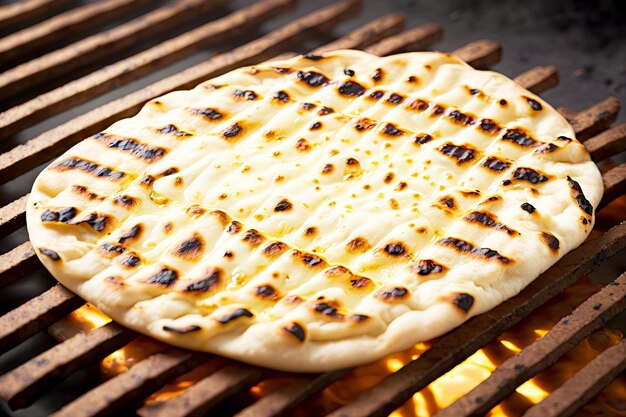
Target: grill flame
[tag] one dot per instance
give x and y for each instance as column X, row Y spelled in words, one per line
column 438, row 395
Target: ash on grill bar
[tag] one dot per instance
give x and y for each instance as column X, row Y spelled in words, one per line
column 545, row 352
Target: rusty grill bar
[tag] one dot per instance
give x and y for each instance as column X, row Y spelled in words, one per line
column 27, row 382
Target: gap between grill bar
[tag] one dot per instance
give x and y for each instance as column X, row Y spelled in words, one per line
column 115, row 75
column 22, row 11
column 567, row 333
column 459, row 344
column 53, row 142
column 20, row 387
column 584, row 385
column 62, row 61
column 17, row 46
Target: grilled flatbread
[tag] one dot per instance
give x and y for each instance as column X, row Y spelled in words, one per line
column 318, row 212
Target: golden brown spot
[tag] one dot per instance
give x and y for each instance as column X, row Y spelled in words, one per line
column 310, row 231
column 328, row 168
column 253, row 238
column 389, row 177
column 364, row 123
column 471, row 194
column 393, row 203
column 358, row 244
column 178, row 182
column 551, row 241
column 222, row 196
column 274, row 249
column 234, row 227
column 190, row 248
column 303, row 145
column 418, row 105
column 426, row 267
column 168, row 227
column 221, row 217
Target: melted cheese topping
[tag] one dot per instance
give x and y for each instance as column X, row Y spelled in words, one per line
column 338, row 207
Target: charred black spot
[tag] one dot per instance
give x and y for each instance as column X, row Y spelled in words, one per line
column 528, row 207
column 124, row 200
column 172, row 129
column 131, row 234
column 147, row 181
column 419, row 105
column 534, row 104
column 520, row 137
column 131, row 260
column 308, row 106
column 232, row 131
column 427, row 267
column 351, row 89
column 349, row 72
column 423, row 138
column 550, row 240
column 190, row 248
column 63, row 215
column 169, row 171
column 467, row 247
column 132, row 146
column 312, row 78
column 296, row 330
column 311, row 260
column 316, row 126
column 358, row 317
column 474, row 91
column 547, row 148
column 97, row 222
column 205, row 284
column 412, row 79
column 274, row 249
column 313, row 57
column 265, row 291
column 328, row 168
column 377, row 94
column 395, row 249
column 182, row 330
column 530, row 175
column 50, row 254
column 352, row 161
column 245, row 94
column 210, row 114
column 310, row 231
column 397, row 292
column 448, row 202
column 281, row 96
column 233, row 227
column 438, row 109
column 495, row 164
column 364, row 123
column 378, row 74
column 240, row 312
column 564, row 139
column 283, row 205
column 487, row 220
column 461, row 118
column 395, row 98
column 165, row 277
column 389, row 177
column 325, row 110
column 253, row 237
column 111, row 248
column 391, row 130
column 360, row 282
column 489, row 126
column 327, row 310
column 461, row 153
column 282, row 70
column 582, row 201
column 90, row 167
column 506, row 182
column 464, row 301
column 503, row 102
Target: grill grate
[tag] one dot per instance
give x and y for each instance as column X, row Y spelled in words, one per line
column 26, row 383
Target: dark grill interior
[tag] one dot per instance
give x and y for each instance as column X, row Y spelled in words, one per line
column 53, row 78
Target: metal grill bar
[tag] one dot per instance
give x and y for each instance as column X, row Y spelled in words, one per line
column 539, row 79
column 566, row 334
column 131, row 387
column 20, row 387
column 17, row 263
column 207, row 393
column 589, row 381
column 126, row 70
column 22, row 11
column 35, row 315
column 13, row 216
column 614, row 184
column 33, row 73
column 491, row 51
column 595, row 119
column 608, row 143
column 17, row 46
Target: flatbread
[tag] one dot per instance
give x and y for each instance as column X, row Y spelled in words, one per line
column 318, row 212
